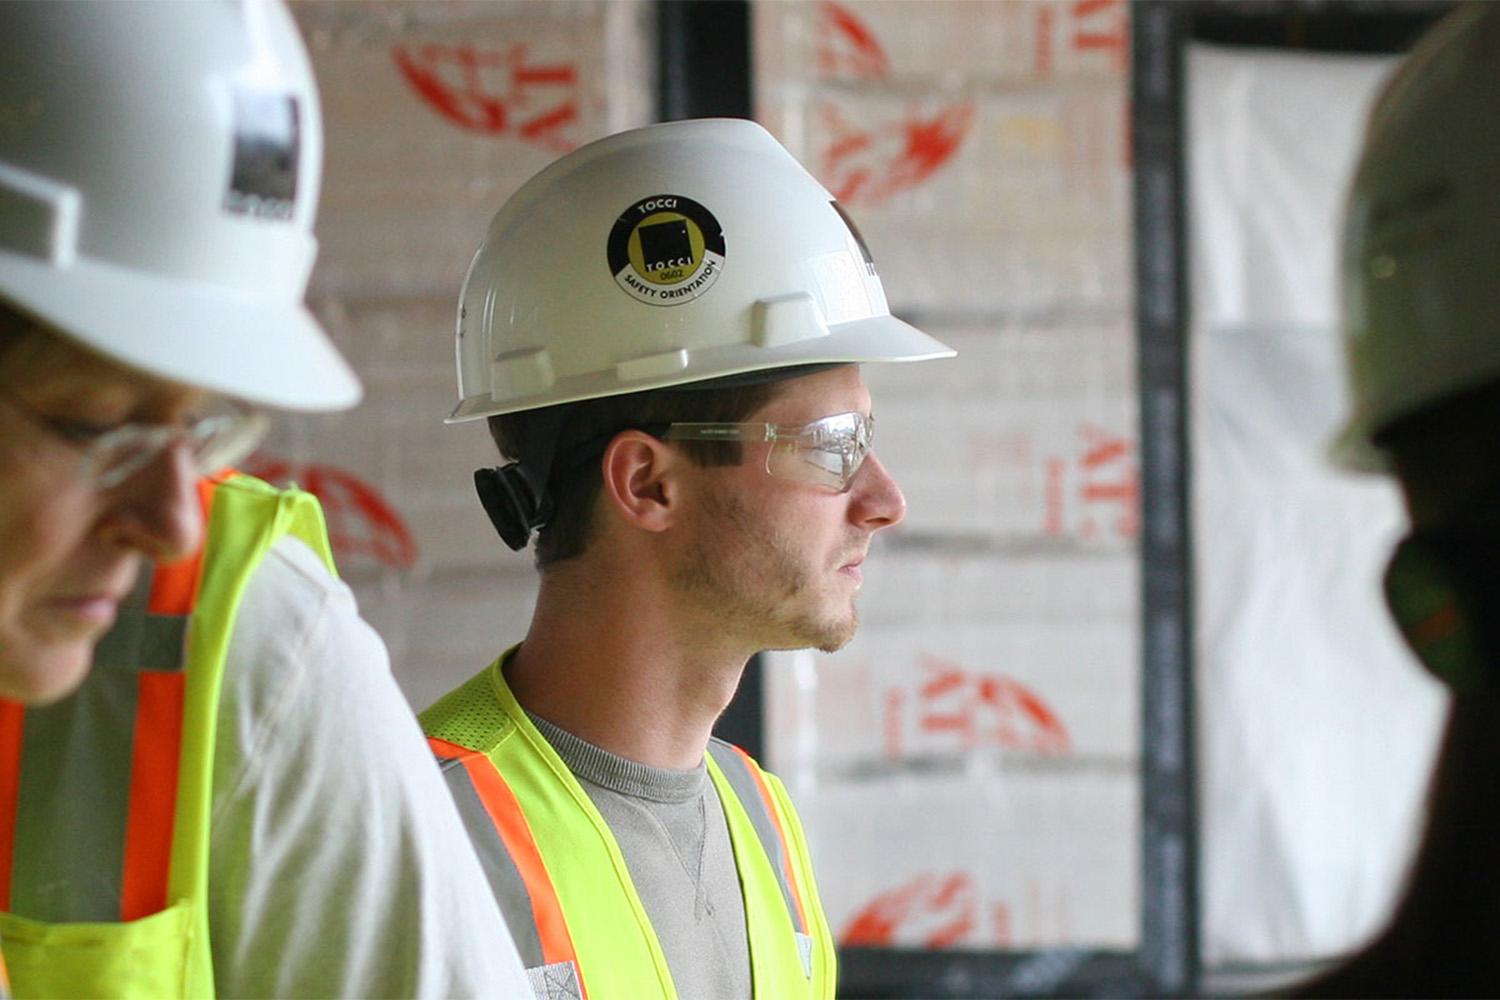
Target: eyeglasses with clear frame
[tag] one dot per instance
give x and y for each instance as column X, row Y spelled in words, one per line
column 826, row 452
column 109, row 456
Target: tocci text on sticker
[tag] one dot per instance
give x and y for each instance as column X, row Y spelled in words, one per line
column 666, row 250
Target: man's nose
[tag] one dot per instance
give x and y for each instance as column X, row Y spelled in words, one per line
column 877, row 500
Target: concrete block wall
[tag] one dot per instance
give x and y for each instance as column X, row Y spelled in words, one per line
column 967, row 766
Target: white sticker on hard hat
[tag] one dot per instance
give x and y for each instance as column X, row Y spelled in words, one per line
column 864, row 250
column 841, row 287
column 267, row 140
column 666, row 250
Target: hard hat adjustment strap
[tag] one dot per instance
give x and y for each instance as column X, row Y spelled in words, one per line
column 515, row 495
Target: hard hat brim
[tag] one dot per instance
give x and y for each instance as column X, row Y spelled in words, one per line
column 874, row 339
column 269, row 354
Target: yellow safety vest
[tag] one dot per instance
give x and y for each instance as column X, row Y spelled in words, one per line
column 105, row 797
column 584, row 931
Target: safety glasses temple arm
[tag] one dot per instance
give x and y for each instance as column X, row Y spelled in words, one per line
column 722, row 432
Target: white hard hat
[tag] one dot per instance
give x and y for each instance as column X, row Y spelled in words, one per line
column 1421, row 250
column 159, row 173
column 665, row 255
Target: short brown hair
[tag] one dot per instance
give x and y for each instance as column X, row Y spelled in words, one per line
column 587, row 428
column 18, row 328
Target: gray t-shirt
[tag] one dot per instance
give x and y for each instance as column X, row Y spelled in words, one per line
column 672, row 832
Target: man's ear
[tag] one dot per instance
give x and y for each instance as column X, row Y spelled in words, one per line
column 639, row 473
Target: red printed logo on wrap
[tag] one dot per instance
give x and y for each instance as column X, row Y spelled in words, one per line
column 930, row 911
column 953, row 909
column 1095, row 493
column 499, row 92
column 952, row 709
column 867, row 162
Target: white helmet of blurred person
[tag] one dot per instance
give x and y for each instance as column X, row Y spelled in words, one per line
column 1421, row 261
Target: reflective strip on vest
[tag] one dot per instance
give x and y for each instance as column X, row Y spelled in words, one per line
column 541, row 936
column 750, row 788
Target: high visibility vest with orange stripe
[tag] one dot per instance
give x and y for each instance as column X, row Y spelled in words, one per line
column 577, row 919
column 105, row 796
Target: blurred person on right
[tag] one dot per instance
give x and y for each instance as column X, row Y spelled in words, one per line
column 1421, row 321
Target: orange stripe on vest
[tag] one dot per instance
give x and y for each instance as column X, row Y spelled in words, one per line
column 12, row 728
column 505, row 812
column 157, row 753
column 153, row 794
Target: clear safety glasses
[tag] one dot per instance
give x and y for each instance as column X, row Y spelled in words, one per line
column 827, row 452
column 215, row 441
column 110, row 457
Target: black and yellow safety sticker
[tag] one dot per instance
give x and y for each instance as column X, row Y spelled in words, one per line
column 666, row 250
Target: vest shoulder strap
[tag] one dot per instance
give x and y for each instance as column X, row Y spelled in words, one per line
column 749, row 783
column 469, row 716
column 463, row 728
column 246, row 517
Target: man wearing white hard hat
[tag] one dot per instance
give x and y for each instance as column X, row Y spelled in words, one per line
column 209, row 782
column 664, row 330
column 1421, row 318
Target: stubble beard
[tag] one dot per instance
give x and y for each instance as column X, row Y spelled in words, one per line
column 752, row 579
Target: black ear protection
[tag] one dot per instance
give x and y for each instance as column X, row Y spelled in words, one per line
column 1442, row 585
column 515, row 505
column 515, row 495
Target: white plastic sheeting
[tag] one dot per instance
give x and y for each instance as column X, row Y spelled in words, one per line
column 1316, row 728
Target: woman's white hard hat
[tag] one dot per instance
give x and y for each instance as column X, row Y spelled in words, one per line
column 159, row 174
